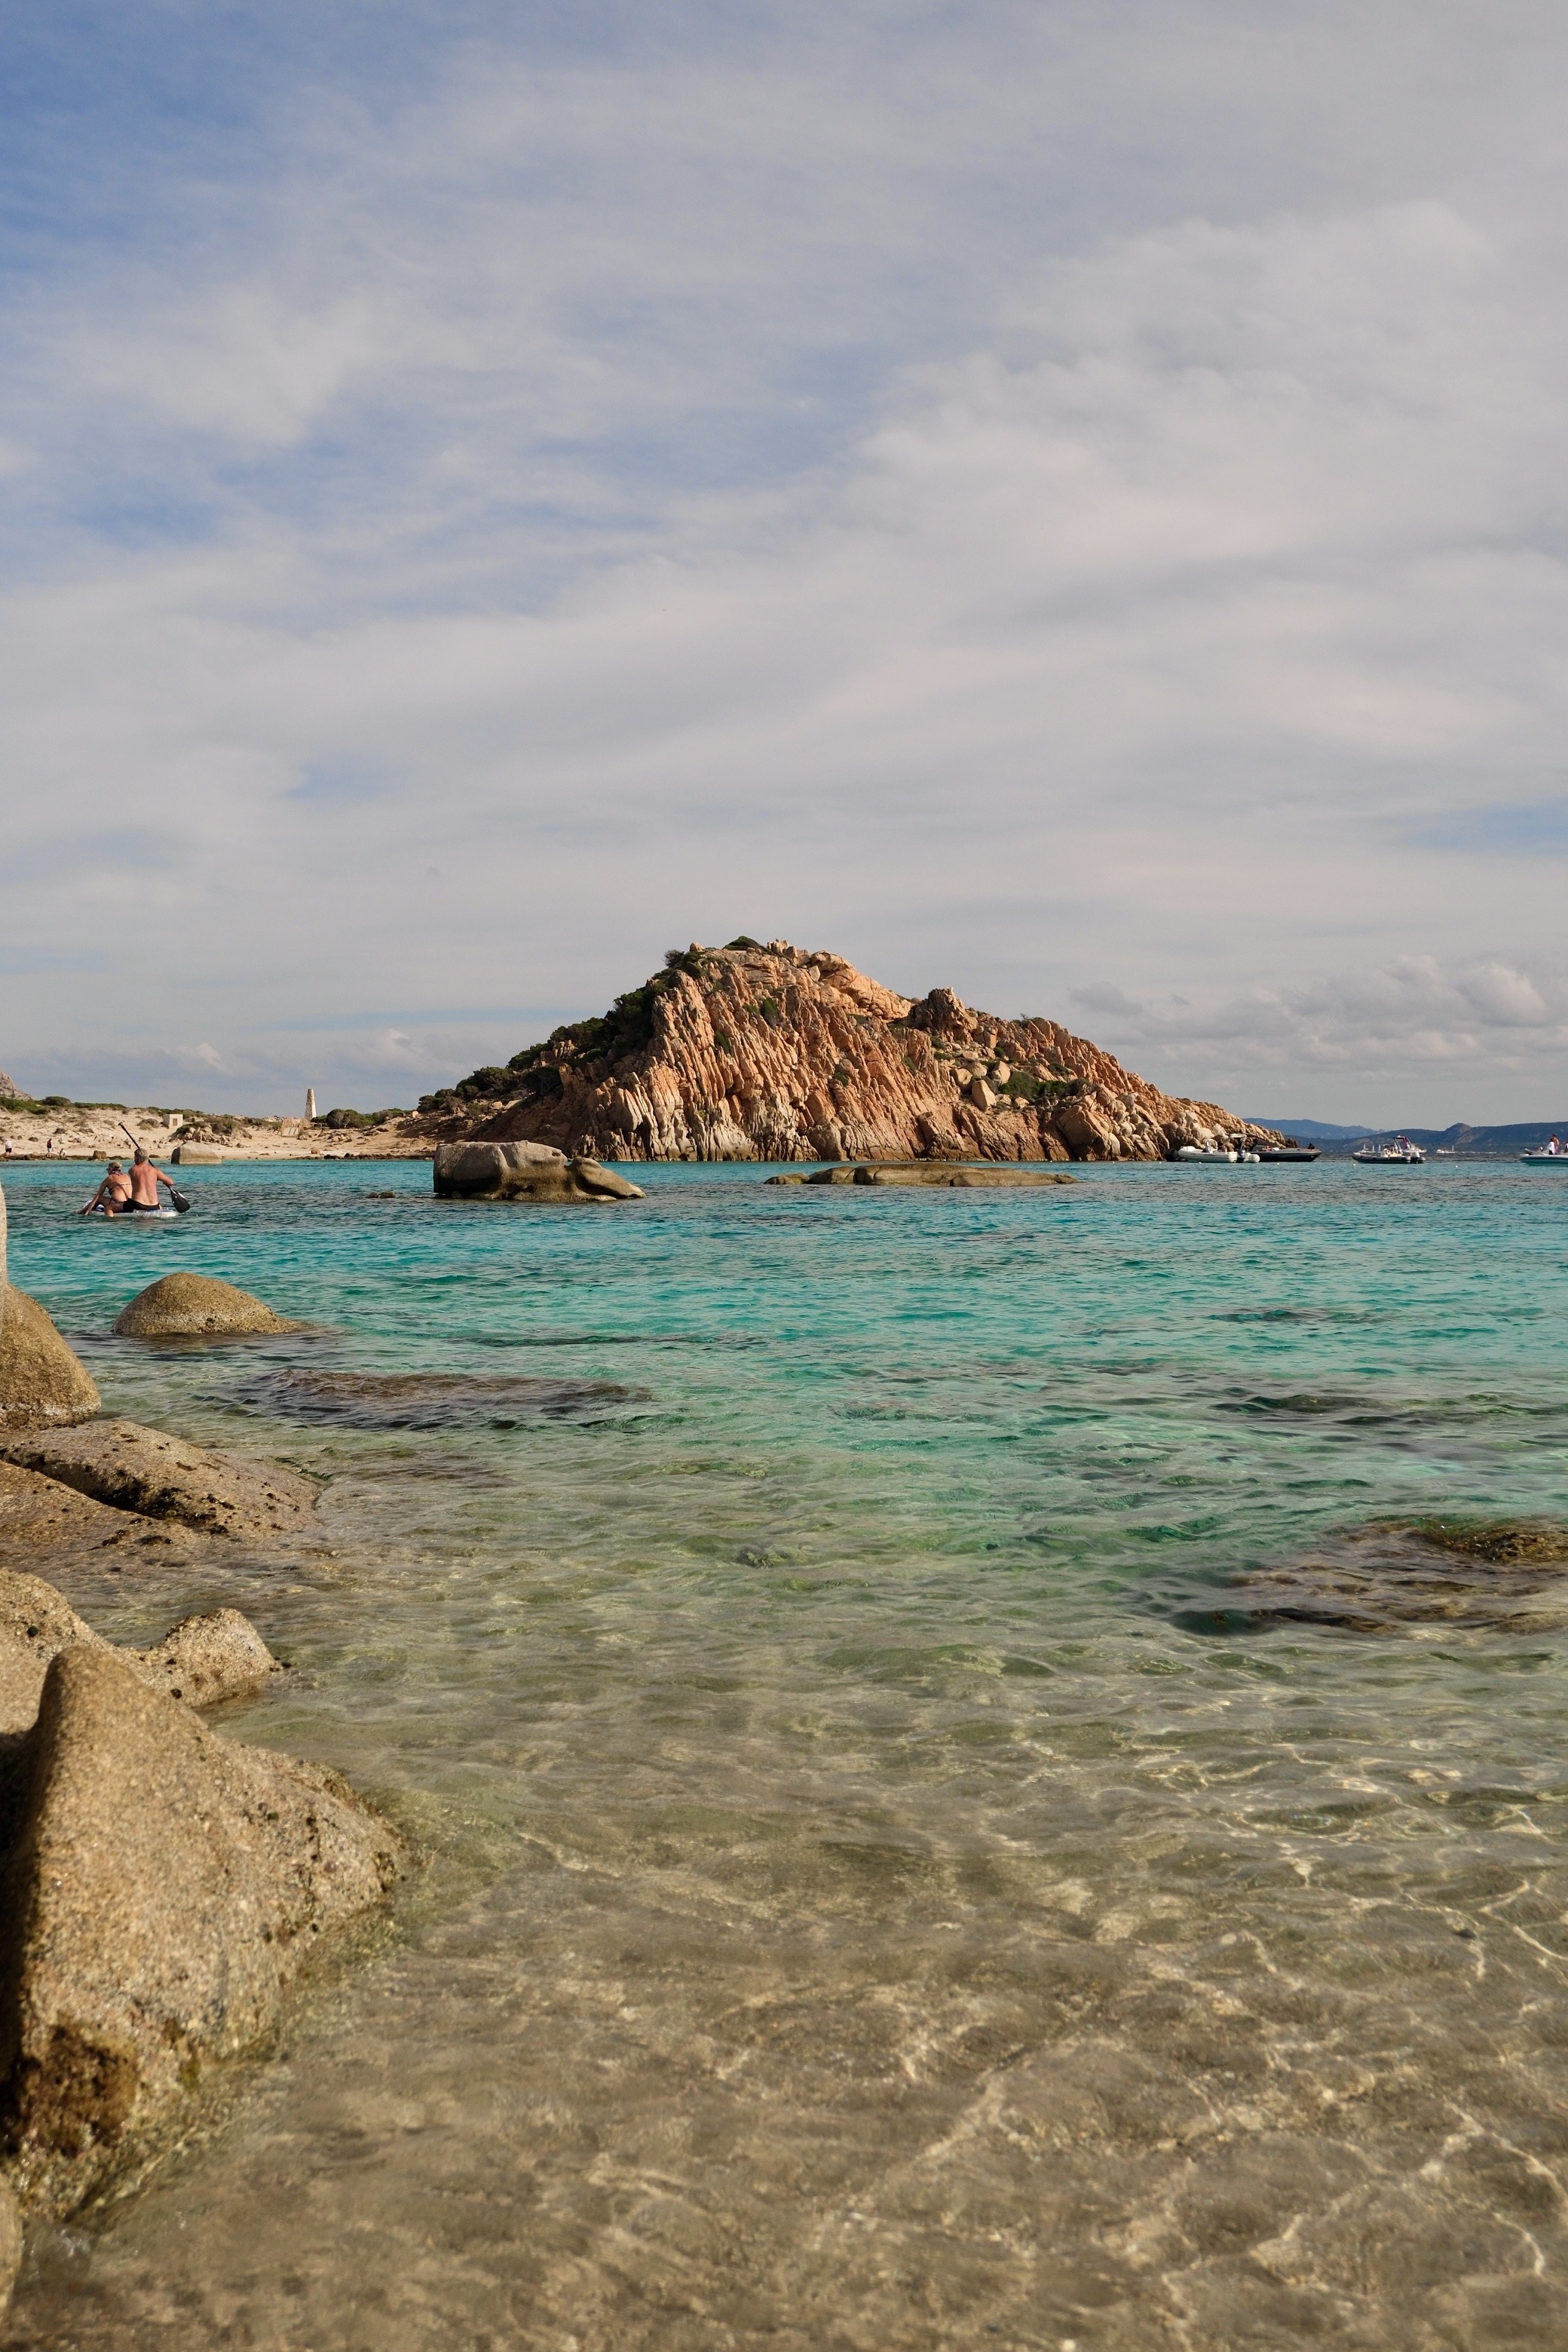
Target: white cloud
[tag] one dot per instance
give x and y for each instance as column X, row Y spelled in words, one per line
column 1143, row 579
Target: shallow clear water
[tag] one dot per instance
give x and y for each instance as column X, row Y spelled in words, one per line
column 865, row 1909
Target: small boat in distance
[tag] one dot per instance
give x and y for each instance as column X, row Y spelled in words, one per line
column 1211, row 1157
column 1399, row 1153
column 1274, row 1153
column 1553, row 1154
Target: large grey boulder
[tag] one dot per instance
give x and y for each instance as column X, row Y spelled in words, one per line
column 524, row 1171
column 161, row 1887
column 162, row 1477
column 195, row 1306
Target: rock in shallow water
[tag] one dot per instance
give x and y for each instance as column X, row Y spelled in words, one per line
column 1506, row 1576
column 524, row 1171
column 162, row 1477
column 42, row 1384
column 216, row 1655
column 39, row 1519
column 943, row 1175
column 163, row 1884
column 432, row 1399
column 195, row 1306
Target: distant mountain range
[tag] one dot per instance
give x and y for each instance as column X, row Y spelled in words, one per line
column 1465, row 1142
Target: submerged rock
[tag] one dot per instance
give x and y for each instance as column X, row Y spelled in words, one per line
column 524, row 1171
column 946, row 1175
column 1393, row 1577
column 432, row 1399
column 42, row 1384
column 162, row 1477
column 191, row 1306
column 163, row 1885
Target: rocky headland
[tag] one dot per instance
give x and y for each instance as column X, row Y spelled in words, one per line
column 769, row 1053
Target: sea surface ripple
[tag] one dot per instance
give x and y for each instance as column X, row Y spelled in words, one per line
column 882, row 1892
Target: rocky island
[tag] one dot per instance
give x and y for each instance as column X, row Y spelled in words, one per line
column 749, row 1052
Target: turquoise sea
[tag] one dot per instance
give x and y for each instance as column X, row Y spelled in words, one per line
column 887, row 1885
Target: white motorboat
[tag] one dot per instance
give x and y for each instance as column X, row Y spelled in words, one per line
column 1399, row 1153
column 1204, row 1158
column 1552, row 1155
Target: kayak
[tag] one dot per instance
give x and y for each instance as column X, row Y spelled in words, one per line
column 134, row 1216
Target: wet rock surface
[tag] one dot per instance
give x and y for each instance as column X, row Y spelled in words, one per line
column 42, row 1384
column 431, row 1400
column 195, row 1306
column 142, row 1470
column 163, row 1885
column 1392, row 1578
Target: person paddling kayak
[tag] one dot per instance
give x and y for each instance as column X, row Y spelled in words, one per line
column 145, row 1182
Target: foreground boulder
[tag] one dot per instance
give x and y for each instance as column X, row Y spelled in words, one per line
column 163, row 1885
column 161, row 1477
column 946, row 1176
column 201, row 1660
column 524, row 1171
column 42, row 1384
column 195, row 1306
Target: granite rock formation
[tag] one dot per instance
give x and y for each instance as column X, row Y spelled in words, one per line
column 767, row 1052
column 43, row 1385
column 524, row 1171
column 194, row 1306
column 143, row 1471
column 216, row 1655
column 162, row 1885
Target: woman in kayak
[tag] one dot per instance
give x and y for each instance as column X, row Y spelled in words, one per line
column 113, row 1193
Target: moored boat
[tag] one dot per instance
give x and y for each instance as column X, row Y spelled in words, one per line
column 1399, row 1153
column 1551, row 1155
column 1280, row 1151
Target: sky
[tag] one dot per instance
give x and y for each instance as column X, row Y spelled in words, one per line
column 1063, row 502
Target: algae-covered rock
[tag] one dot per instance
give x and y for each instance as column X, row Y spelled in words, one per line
column 42, row 1384
column 195, row 1306
column 1398, row 1576
column 162, row 1477
column 162, row 1887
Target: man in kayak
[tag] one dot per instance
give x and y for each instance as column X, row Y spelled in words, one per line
column 145, row 1182
column 113, row 1193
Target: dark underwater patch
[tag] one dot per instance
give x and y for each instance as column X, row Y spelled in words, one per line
column 1392, row 1577
column 431, row 1400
